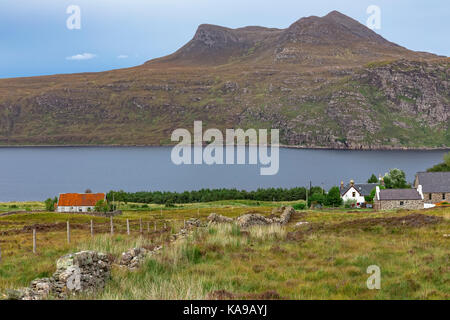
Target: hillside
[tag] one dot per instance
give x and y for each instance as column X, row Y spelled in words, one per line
column 323, row 81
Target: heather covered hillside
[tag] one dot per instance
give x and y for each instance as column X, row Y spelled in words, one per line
column 323, row 81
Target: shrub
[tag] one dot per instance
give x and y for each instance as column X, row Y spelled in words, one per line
column 299, row 206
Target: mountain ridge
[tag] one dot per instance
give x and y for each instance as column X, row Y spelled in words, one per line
column 325, row 82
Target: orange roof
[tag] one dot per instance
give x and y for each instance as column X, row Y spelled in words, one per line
column 79, row 199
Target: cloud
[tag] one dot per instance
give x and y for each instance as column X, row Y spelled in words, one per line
column 122, row 56
column 82, row 56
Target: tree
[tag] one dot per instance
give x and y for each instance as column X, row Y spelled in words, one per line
column 370, row 197
column 372, row 179
column 50, row 204
column 333, row 197
column 444, row 166
column 316, row 198
column 101, row 206
column 88, row 191
column 396, row 178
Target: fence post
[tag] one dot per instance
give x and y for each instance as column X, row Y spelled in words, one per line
column 112, row 225
column 34, row 240
column 68, row 232
column 92, row 228
column 128, row 227
column 154, row 225
column 140, row 225
column 148, row 227
column 184, row 223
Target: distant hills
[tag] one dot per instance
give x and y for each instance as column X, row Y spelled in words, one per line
column 323, row 81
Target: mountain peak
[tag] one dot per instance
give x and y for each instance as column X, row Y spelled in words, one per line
column 334, row 27
column 333, row 34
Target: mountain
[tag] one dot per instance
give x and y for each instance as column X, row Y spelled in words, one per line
column 323, row 81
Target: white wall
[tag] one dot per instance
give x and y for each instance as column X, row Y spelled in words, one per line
column 75, row 209
column 349, row 196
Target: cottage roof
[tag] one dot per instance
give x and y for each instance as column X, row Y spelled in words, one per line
column 363, row 188
column 79, row 199
column 434, row 181
column 400, row 194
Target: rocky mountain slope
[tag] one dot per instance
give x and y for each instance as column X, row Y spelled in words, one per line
column 323, row 81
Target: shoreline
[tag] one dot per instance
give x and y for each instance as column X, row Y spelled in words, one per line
column 381, row 148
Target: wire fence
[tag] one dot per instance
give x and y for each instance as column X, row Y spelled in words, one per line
column 139, row 227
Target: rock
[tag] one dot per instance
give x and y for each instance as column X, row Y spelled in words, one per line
column 85, row 271
column 193, row 223
column 133, row 258
column 217, row 218
column 253, row 219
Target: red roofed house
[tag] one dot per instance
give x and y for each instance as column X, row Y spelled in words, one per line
column 78, row 202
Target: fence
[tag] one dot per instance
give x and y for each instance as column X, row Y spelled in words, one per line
column 130, row 227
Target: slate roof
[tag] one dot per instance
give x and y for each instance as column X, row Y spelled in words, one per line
column 400, row 194
column 434, row 181
column 79, row 199
column 363, row 188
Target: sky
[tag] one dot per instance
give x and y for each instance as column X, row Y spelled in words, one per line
column 35, row 38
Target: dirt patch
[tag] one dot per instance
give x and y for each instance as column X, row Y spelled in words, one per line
column 258, row 268
column 227, row 295
column 415, row 220
column 277, row 249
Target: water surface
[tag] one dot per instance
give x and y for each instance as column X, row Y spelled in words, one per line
column 39, row 173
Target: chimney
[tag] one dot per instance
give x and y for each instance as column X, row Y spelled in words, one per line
column 352, row 183
column 419, row 190
column 342, row 184
column 377, row 192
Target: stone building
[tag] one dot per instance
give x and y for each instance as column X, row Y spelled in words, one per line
column 387, row 199
column 435, row 186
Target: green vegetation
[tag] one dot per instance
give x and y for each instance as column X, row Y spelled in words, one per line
column 208, row 195
column 373, row 179
column 396, row 178
column 444, row 166
column 327, row 262
column 50, row 204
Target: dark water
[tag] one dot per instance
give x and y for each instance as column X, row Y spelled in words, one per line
column 39, row 173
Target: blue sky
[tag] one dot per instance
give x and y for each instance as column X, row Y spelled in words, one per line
column 34, row 39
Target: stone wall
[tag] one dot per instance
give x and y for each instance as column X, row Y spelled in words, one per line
column 85, row 271
column 395, row 204
column 436, row 197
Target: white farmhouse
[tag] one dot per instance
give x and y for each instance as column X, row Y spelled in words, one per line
column 78, row 202
column 356, row 191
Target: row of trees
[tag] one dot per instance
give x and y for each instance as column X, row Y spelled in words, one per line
column 207, row 195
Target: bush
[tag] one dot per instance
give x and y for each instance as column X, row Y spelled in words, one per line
column 50, row 204
column 350, row 203
column 299, row 206
column 316, row 198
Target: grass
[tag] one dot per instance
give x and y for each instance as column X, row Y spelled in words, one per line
column 327, row 262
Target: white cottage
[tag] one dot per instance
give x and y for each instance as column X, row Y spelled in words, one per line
column 356, row 191
column 78, row 202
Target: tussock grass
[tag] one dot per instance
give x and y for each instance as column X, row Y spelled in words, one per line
column 328, row 264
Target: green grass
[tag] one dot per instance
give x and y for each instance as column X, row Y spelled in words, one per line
column 328, row 262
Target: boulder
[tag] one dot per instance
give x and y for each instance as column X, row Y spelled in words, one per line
column 217, row 218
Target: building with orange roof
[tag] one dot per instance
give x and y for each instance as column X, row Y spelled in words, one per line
column 78, row 202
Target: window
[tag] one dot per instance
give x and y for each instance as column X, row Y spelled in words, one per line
column 429, row 196
column 353, row 194
column 443, row 196
column 402, row 203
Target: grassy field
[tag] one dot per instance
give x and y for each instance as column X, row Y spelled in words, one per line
column 324, row 259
